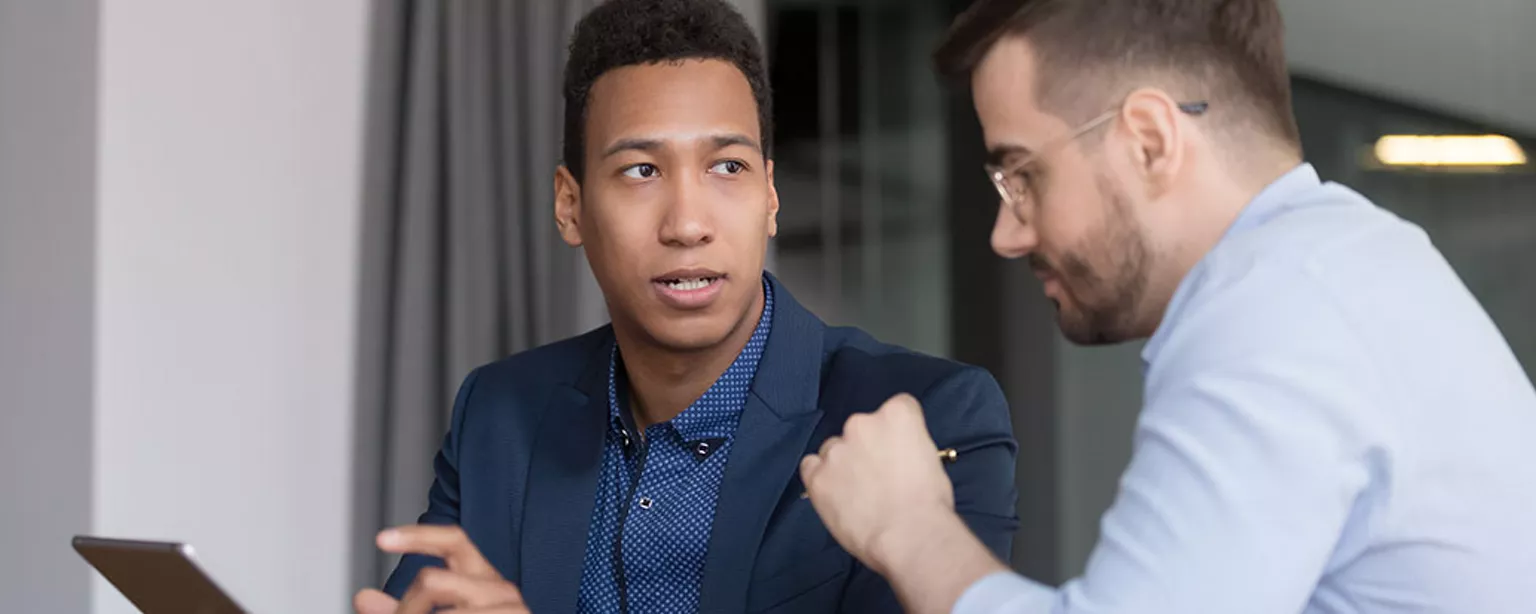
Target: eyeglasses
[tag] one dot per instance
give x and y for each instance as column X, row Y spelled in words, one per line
column 1012, row 182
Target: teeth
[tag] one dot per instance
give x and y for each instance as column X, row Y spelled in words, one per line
column 685, row 285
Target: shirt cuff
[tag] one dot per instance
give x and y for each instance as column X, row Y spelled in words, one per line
column 1006, row 592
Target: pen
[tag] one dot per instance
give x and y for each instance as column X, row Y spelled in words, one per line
column 947, row 455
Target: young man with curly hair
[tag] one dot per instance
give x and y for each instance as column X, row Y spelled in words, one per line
column 650, row 465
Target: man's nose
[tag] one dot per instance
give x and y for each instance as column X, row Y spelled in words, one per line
column 1012, row 238
column 689, row 221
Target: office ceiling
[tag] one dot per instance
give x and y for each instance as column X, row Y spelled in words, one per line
column 1473, row 59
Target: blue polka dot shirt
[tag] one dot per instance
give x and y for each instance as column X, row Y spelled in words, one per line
column 656, row 496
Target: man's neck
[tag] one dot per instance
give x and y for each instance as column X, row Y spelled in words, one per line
column 665, row 381
column 1211, row 209
column 1225, row 199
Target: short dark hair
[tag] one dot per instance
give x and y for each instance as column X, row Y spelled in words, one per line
column 621, row 33
column 1231, row 52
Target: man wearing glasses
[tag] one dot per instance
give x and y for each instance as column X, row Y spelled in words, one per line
column 1331, row 423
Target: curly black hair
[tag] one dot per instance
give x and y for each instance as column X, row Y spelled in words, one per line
column 621, row 33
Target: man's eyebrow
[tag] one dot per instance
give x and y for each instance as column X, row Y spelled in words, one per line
column 999, row 154
column 718, row 141
column 632, row 145
column 723, row 141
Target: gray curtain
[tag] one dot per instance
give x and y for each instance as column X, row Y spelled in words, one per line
column 461, row 264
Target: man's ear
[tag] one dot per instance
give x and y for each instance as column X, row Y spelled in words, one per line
column 568, row 206
column 1152, row 117
column 773, row 202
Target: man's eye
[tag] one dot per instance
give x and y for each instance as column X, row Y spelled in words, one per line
column 728, row 167
column 1022, row 179
column 642, row 171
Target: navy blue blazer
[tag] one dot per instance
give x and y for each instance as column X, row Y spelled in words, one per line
column 518, row 469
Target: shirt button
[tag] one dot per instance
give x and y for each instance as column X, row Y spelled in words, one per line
column 645, row 503
column 625, row 436
column 702, row 450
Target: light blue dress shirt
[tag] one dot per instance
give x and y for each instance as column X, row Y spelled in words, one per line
column 1332, row 424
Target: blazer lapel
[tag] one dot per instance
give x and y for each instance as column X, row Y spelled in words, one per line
column 562, row 481
column 777, row 422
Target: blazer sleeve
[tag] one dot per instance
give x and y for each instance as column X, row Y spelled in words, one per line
column 965, row 411
column 442, row 499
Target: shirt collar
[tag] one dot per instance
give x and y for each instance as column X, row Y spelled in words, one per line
column 692, row 425
column 1273, row 198
column 1269, row 202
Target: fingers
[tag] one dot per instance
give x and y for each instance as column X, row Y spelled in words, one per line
column 808, row 467
column 861, row 426
column 371, row 601
column 469, row 584
column 445, row 542
column 902, row 404
column 827, row 445
column 897, row 419
column 902, row 416
column 437, row 587
column 498, row 609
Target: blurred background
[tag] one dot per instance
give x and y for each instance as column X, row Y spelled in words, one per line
column 248, row 249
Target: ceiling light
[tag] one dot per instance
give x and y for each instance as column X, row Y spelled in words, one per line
column 1449, row 150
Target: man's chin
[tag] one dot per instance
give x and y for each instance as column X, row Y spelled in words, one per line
column 685, row 343
column 693, row 330
column 1083, row 334
column 690, row 334
column 1078, row 330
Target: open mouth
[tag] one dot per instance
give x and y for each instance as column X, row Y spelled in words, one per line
column 691, row 288
column 688, row 284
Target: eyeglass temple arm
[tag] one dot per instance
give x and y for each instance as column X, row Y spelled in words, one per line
column 1195, row 108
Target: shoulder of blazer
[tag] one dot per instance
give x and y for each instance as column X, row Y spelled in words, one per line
column 519, row 386
column 860, row 373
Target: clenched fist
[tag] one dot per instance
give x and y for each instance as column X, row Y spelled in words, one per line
column 882, row 492
column 881, row 478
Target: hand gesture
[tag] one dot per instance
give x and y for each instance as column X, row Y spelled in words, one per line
column 469, row 584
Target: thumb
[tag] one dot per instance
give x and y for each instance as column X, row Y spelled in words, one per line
column 371, row 601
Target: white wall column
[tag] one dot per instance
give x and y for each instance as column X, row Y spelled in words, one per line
column 227, row 223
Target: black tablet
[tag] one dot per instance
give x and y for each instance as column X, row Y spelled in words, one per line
column 157, row 577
